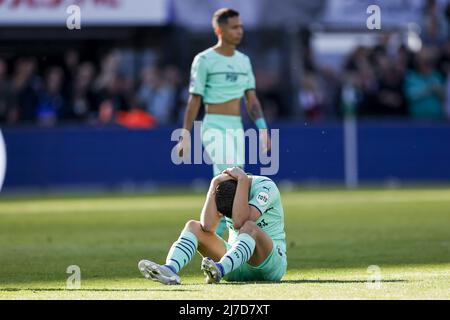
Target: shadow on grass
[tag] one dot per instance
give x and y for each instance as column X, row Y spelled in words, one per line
column 318, row 281
column 337, row 281
column 89, row 290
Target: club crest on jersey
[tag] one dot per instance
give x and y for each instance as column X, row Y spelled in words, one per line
column 262, row 198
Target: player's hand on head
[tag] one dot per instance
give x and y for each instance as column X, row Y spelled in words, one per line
column 235, row 172
column 222, row 177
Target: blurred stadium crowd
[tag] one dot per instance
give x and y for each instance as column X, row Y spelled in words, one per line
column 79, row 91
column 375, row 81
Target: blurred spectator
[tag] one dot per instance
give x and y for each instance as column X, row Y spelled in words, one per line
column 350, row 96
column 447, row 17
column 310, row 98
column 269, row 90
column 357, row 59
column 330, row 86
column 8, row 99
column 444, row 59
column 157, row 94
column 360, row 70
column 434, row 25
column 447, row 94
column 26, row 84
column 84, row 100
column 173, row 78
column 368, row 87
column 110, row 66
column 52, row 103
column 390, row 98
column 70, row 67
column 112, row 98
column 401, row 60
column 271, row 110
column 137, row 117
column 424, row 88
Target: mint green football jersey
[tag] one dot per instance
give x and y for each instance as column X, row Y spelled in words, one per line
column 265, row 196
column 218, row 78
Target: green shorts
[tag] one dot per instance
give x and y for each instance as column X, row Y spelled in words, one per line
column 271, row 269
column 223, row 140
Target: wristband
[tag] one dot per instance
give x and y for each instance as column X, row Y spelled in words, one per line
column 261, row 123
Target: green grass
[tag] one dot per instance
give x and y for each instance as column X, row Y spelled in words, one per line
column 333, row 237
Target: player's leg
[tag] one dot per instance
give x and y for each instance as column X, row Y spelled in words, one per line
column 263, row 243
column 214, row 141
column 209, row 243
column 234, row 151
column 191, row 239
column 252, row 245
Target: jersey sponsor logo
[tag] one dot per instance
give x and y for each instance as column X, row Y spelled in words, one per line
column 232, row 77
column 262, row 198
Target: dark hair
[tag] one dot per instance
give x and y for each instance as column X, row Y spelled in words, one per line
column 221, row 16
column 225, row 193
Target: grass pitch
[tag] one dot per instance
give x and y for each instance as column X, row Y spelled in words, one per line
column 333, row 237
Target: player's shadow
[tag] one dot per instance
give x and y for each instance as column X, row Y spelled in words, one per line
column 337, row 281
column 319, row 281
column 90, row 290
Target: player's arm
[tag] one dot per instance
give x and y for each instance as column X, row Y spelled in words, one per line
column 254, row 108
column 199, row 74
column 191, row 113
column 210, row 217
column 253, row 105
column 255, row 112
column 242, row 211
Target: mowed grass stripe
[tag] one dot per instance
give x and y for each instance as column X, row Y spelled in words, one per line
column 152, row 202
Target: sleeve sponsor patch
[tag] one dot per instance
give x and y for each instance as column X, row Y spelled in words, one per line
column 262, row 198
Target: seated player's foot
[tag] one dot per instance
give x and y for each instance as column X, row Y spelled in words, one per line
column 156, row 272
column 211, row 270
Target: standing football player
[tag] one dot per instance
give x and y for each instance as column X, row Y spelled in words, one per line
column 221, row 76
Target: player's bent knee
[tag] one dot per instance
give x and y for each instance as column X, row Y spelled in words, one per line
column 250, row 228
column 193, row 226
